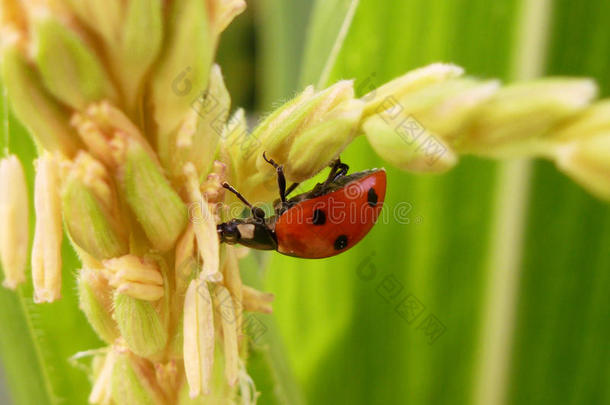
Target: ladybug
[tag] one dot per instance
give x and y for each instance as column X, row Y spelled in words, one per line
column 331, row 218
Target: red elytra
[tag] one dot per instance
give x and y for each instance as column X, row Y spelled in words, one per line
column 332, row 223
column 331, row 218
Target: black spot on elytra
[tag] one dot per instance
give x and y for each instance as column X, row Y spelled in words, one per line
column 340, row 242
column 319, row 217
column 372, row 197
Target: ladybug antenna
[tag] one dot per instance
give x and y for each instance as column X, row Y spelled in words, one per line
column 256, row 211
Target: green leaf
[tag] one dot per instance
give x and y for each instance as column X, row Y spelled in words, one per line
column 511, row 258
column 19, row 353
column 328, row 27
column 36, row 341
column 281, row 26
column 561, row 353
column 268, row 363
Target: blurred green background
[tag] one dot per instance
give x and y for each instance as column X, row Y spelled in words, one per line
column 493, row 286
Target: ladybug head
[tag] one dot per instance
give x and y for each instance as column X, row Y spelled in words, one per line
column 228, row 232
column 251, row 232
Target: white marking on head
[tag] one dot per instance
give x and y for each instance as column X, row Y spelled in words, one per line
column 246, row 230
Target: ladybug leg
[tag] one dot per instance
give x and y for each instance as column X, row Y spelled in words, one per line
column 257, row 212
column 338, row 169
column 281, row 178
column 341, row 171
column 292, row 187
